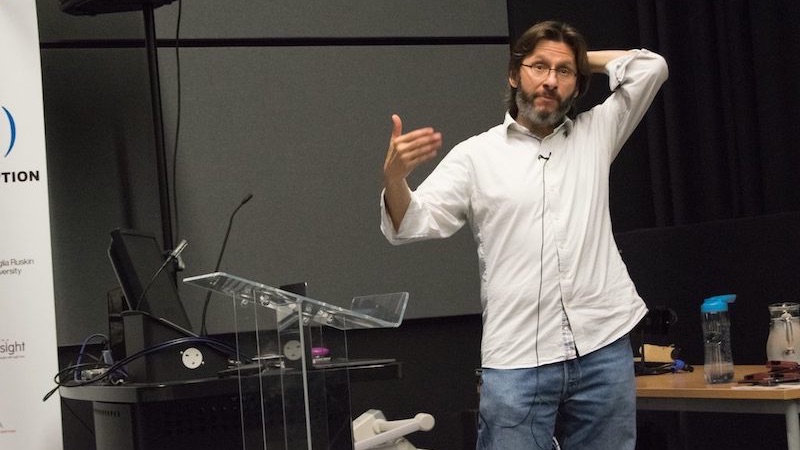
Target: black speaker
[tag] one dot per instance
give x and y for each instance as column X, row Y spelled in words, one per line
column 94, row 7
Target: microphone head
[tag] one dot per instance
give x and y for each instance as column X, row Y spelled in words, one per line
column 181, row 246
column 246, row 199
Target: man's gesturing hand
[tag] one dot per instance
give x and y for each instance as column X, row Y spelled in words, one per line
column 407, row 151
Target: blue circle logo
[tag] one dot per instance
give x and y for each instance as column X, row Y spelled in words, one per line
column 8, row 123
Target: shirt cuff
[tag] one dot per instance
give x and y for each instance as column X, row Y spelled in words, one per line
column 387, row 228
column 404, row 233
column 616, row 68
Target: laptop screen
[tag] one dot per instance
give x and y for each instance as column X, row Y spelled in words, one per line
column 136, row 258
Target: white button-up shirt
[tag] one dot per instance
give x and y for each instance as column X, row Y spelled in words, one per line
column 539, row 214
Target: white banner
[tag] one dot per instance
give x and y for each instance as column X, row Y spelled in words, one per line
column 28, row 347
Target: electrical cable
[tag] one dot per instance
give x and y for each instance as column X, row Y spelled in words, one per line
column 172, row 255
column 177, row 118
column 150, row 283
column 225, row 347
column 63, row 374
column 541, row 279
column 160, row 320
column 119, row 365
column 83, row 349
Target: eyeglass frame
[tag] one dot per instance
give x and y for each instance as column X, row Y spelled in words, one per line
column 562, row 73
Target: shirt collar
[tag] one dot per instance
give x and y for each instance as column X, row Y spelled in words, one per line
column 510, row 124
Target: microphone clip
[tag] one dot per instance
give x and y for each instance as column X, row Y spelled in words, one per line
column 176, row 262
column 175, row 255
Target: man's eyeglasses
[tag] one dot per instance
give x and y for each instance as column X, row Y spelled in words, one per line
column 540, row 70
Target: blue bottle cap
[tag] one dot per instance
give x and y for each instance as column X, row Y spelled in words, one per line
column 717, row 303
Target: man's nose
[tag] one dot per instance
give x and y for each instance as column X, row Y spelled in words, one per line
column 551, row 79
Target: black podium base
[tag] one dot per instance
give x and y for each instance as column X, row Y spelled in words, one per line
column 161, row 361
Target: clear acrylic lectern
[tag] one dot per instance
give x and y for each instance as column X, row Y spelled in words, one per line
column 295, row 387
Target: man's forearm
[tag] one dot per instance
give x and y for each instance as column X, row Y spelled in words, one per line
column 397, row 197
column 599, row 58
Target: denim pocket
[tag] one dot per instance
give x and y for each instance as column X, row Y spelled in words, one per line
column 503, row 402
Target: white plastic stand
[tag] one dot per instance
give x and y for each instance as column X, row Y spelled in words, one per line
column 371, row 430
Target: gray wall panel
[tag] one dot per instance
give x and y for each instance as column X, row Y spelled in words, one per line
column 302, row 128
column 101, row 173
column 321, row 18
column 305, row 130
column 201, row 19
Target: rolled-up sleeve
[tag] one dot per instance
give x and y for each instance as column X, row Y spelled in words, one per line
column 412, row 219
column 634, row 80
column 438, row 207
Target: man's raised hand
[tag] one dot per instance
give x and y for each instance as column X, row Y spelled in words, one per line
column 407, row 151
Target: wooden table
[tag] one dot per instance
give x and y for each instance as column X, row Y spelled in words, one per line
column 688, row 392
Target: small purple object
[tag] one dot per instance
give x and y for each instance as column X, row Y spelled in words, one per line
column 319, row 352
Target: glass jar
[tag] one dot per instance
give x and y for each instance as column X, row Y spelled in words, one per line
column 784, row 326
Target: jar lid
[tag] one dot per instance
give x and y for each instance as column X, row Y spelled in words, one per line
column 785, row 306
column 777, row 310
column 717, row 303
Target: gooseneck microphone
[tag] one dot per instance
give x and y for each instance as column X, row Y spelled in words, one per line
column 219, row 261
column 172, row 255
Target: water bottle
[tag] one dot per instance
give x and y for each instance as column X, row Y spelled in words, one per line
column 717, row 338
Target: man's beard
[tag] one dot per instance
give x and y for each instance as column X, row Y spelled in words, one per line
column 541, row 118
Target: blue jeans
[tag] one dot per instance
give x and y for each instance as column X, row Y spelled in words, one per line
column 593, row 399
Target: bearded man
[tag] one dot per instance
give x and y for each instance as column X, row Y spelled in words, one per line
column 558, row 303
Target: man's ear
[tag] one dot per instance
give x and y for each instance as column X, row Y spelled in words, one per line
column 512, row 81
column 577, row 92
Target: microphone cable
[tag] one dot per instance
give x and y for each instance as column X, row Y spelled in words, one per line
column 546, row 159
column 172, row 255
column 177, row 117
column 219, row 261
column 119, row 365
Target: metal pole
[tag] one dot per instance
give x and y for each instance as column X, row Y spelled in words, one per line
column 158, row 125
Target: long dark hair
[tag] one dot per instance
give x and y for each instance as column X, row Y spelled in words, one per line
column 547, row 31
